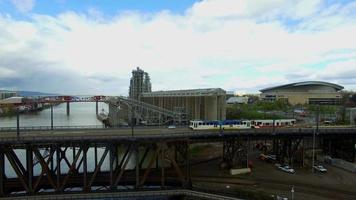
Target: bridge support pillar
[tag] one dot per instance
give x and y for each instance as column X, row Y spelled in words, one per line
column 162, row 151
column 137, row 167
column 2, row 172
column 29, row 167
column 188, row 183
column 85, row 169
column 68, row 108
column 96, row 107
column 342, row 147
column 111, row 166
column 58, row 166
column 234, row 153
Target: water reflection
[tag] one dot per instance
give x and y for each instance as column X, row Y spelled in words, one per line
column 81, row 114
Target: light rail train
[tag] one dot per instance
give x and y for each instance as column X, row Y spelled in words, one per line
column 240, row 124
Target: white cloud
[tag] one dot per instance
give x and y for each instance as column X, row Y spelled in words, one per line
column 24, row 5
column 255, row 8
column 216, row 43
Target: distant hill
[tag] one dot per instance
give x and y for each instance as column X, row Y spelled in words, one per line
column 31, row 94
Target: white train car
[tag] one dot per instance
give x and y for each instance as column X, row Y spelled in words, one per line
column 204, row 125
column 235, row 124
column 268, row 123
column 215, row 125
column 240, row 124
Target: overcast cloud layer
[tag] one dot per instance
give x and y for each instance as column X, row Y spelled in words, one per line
column 237, row 45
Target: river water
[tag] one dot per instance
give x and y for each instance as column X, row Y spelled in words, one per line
column 81, row 114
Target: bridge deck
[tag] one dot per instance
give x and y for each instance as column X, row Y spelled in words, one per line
column 132, row 194
column 157, row 133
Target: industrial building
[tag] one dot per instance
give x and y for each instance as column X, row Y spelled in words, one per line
column 140, row 82
column 164, row 107
column 206, row 104
column 308, row 92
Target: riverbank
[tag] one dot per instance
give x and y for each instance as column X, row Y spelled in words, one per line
column 11, row 111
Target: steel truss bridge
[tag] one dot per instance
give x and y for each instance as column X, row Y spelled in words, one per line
column 57, row 162
column 153, row 115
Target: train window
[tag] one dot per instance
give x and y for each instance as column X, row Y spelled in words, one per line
column 267, row 124
column 277, row 123
column 200, row 123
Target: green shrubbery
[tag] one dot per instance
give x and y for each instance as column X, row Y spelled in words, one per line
column 258, row 110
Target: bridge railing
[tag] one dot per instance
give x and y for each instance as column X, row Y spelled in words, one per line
column 47, row 128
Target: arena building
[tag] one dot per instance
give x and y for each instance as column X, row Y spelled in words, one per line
column 308, row 92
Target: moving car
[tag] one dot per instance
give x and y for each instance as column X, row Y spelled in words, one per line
column 320, row 168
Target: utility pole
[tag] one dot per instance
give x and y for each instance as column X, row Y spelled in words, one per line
column 316, row 131
column 18, row 122
column 132, row 120
column 51, row 116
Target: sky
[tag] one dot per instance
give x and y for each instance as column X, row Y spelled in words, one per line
column 92, row 46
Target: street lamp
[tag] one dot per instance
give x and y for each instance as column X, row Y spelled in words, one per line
column 292, row 191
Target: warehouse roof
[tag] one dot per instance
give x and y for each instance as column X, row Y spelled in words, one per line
column 11, row 100
column 305, row 83
column 192, row 92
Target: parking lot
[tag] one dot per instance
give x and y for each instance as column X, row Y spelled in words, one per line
column 267, row 178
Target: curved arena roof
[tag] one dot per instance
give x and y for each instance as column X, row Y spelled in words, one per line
column 305, row 83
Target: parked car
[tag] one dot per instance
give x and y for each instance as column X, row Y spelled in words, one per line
column 320, row 168
column 287, row 169
column 271, row 157
column 171, row 127
column 268, row 157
